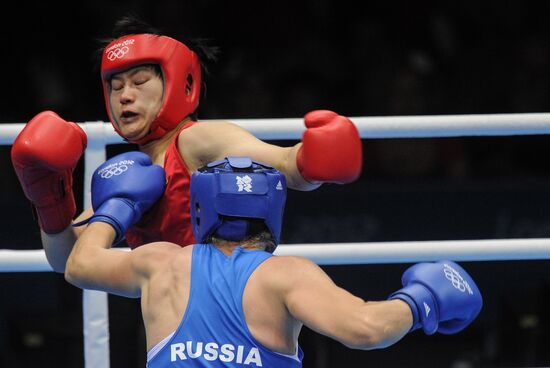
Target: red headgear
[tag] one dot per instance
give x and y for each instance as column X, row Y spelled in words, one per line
column 180, row 69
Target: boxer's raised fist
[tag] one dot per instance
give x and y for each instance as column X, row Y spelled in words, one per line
column 123, row 188
column 331, row 149
column 442, row 297
column 44, row 156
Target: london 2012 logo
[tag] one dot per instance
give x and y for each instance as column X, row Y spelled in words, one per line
column 456, row 279
column 115, row 169
column 244, row 183
column 117, row 53
column 118, row 50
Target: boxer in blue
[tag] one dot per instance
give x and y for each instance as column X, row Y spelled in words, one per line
column 228, row 301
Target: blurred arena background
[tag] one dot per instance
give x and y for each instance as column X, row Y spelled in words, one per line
column 282, row 59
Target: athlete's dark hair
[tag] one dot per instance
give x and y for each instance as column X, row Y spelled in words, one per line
column 258, row 237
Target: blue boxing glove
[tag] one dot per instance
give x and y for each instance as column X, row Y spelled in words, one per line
column 442, row 296
column 123, row 188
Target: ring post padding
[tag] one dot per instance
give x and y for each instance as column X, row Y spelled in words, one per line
column 95, row 304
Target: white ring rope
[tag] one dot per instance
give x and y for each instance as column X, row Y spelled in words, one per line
column 420, row 126
column 354, row 253
column 414, row 126
column 100, row 134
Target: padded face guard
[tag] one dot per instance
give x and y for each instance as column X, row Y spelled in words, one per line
column 181, row 72
column 226, row 194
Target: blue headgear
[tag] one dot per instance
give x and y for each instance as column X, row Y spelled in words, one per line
column 226, row 194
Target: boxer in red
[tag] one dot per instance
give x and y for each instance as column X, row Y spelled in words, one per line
column 152, row 85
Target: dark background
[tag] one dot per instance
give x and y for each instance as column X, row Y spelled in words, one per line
column 282, row 59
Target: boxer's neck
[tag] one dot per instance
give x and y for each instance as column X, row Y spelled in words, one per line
column 157, row 148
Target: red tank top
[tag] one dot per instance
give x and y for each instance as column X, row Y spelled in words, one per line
column 169, row 219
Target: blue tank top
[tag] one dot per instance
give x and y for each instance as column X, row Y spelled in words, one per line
column 213, row 331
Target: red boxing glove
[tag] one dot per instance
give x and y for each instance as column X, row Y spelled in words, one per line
column 44, row 156
column 331, row 149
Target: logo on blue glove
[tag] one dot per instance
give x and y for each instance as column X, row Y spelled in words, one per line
column 115, row 169
column 456, row 280
column 427, row 308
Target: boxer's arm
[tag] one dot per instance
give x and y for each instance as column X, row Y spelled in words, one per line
column 203, row 143
column 118, row 203
column 58, row 246
column 92, row 263
column 313, row 298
